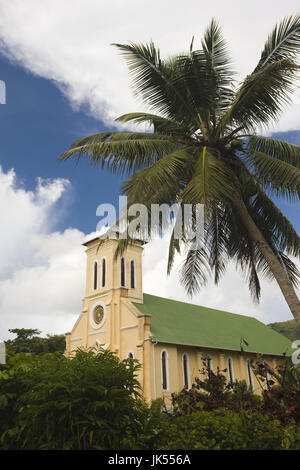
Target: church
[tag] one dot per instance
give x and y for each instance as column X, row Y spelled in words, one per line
column 169, row 338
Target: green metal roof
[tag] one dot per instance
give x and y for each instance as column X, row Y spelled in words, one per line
column 187, row 324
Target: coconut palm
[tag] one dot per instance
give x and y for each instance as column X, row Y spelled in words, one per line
column 204, row 148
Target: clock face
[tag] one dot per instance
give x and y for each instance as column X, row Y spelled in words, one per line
column 98, row 314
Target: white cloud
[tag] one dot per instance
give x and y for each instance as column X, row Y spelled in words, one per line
column 68, row 41
column 41, row 271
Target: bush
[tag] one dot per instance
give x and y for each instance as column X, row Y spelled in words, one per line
column 228, row 430
column 51, row 402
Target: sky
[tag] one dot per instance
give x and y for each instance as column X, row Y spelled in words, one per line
column 64, row 80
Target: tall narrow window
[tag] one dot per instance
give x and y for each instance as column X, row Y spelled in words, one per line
column 122, row 272
column 209, row 364
column 130, row 355
column 132, row 274
column 249, row 368
column 95, row 275
column 164, row 372
column 230, row 371
column 185, row 367
column 103, row 273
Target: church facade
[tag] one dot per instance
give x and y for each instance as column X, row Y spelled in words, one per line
column 169, row 338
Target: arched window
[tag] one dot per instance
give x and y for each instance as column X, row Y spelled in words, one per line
column 249, row 369
column 103, row 272
column 230, row 371
column 95, row 275
column 130, row 355
column 132, row 274
column 164, row 370
column 185, row 369
column 123, row 276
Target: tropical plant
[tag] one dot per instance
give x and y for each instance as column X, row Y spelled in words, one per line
column 28, row 341
column 91, row 401
column 204, row 148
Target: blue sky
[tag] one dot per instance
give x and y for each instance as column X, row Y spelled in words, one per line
column 37, row 125
column 64, row 81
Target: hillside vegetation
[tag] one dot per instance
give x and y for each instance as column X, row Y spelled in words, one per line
column 288, row 328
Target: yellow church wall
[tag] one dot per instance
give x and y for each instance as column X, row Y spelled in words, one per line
column 195, row 365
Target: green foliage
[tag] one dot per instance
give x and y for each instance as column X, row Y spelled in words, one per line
column 226, row 429
column 213, row 392
column 287, row 328
column 281, row 397
column 89, row 402
column 28, row 341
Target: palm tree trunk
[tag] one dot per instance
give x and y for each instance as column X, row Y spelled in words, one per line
column 276, row 267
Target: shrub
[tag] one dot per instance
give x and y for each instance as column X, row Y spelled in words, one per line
column 51, row 402
column 228, row 430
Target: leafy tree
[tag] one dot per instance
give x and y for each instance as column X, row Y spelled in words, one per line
column 204, row 148
column 51, row 402
column 28, row 341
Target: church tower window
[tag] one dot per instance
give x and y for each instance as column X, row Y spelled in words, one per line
column 132, row 274
column 95, row 275
column 123, row 276
column 103, row 272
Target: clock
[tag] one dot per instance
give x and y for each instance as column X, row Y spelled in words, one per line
column 98, row 314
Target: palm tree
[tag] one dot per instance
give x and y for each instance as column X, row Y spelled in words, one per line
column 204, row 148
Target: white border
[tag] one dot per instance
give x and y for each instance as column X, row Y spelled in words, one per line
column 94, row 325
column 167, row 371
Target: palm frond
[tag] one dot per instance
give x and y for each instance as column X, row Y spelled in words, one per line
column 285, row 151
column 274, row 225
column 219, row 65
column 275, row 175
column 160, row 124
column 164, row 174
column 216, row 238
column 212, row 180
column 121, row 152
column 282, row 43
column 262, row 96
column 195, row 271
column 156, row 81
column 174, row 246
